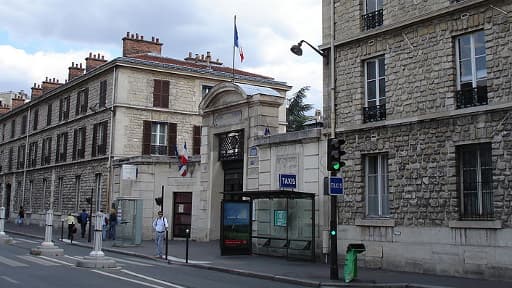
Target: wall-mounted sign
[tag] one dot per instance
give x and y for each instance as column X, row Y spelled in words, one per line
column 280, row 218
column 129, row 172
column 336, row 186
column 288, row 181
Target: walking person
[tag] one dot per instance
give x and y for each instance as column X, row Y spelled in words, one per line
column 83, row 218
column 160, row 225
column 71, row 226
column 112, row 221
column 21, row 216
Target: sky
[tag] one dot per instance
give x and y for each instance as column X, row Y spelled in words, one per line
column 40, row 38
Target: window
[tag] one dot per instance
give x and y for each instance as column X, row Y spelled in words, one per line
column 62, row 147
column 375, row 90
column 79, row 143
column 21, row 157
column 77, row 192
column 475, row 183
column 64, row 108
column 99, row 139
column 32, row 154
column 471, row 70
column 30, row 191
column 374, row 15
column 103, row 94
column 49, row 114
column 161, row 93
column 36, row 119
column 376, row 183
column 1, row 162
column 23, row 124
column 205, row 89
column 13, row 128
column 158, row 138
column 82, row 101
column 196, row 140
column 46, row 153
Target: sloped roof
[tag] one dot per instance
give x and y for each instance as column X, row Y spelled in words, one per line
column 253, row 90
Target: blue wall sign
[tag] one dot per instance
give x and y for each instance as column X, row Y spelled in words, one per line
column 287, row 181
column 336, row 186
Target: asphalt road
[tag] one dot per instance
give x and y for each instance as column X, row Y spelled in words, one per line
column 20, row 269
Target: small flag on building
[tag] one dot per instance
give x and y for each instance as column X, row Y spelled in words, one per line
column 237, row 45
column 182, row 160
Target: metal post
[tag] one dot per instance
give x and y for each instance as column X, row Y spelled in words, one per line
column 166, row 231
column 98, row 236
column 48, row 229
column 90, row 215
column 2, row 221
column 334, row 239
column 186, row 249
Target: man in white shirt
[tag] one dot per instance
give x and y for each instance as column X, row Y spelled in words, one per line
column 160, row 225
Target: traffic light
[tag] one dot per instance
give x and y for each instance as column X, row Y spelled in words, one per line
column 332, row 232
column 158, row 201
column 334, row 153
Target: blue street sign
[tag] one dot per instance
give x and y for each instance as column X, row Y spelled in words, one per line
column 287, row 181
column 336, row 186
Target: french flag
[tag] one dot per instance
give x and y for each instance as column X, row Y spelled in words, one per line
column 237, row 45
column 182, row 160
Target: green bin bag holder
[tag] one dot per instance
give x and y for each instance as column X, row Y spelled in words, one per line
column 350, row 269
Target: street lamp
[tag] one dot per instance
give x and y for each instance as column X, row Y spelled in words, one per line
column 297, row 49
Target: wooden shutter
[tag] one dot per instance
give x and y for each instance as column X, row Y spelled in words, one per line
column 146, row 138
column 75, row 138
column 49, row 154
column 36, row 119
column 165, row 94
column 104, row 143
column 196, row 140
column 94, row 139
column 82, row 143
column 61, row 107
column 49, row 114
column 157, row 92
column 85, row 100
column 172, row 130
column 57, row 151
column 103, row 93
column 65, row 147
column 68, row 102
column 79, row 99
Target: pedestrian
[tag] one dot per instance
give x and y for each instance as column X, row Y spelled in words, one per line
column 104, row 227
column 112, row 222
column 82, row 219
column 71, row 226
column 160, row 225
column 21, row 216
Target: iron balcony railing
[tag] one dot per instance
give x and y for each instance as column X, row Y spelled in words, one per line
column 471, row 97
column 374, row 113
column 158, row 150
column 373, row 19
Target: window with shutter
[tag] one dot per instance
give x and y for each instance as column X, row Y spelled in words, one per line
column 172, row 138
column 103, row 94
column 161, row 93
column 49, row 114
column 36, row 119
column 196, row 140
column 146, row 138
column 94, row 140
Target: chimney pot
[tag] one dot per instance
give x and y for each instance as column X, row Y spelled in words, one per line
column 152, row 38
column 141, row 37
column 132, row 36
column 128, row 34
column 137, row 36
column 157, row 40
column 90, row 54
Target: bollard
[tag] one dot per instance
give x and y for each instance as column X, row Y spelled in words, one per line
column 186, row 249
column 166, row 243
column 2, row 221
column 62, row 229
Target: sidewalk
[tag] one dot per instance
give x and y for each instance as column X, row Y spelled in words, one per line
column 206, row 255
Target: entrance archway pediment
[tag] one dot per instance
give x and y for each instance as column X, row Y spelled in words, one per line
column 222, row 96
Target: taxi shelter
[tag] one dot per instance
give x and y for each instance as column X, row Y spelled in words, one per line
column 282, row 222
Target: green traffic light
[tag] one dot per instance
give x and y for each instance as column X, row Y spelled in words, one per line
column 336, row 166
column 333, row 232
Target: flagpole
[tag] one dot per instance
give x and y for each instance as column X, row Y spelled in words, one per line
column 234, row 33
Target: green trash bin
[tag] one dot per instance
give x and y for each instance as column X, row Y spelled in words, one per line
column 350, row 269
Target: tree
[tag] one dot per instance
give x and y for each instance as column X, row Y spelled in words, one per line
column 296, row 110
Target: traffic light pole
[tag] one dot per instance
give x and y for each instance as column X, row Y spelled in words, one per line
column 334, row 237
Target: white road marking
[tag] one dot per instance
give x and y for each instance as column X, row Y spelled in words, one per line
column 189, row 261
column 55, row 260
column 152, row 279
column 9, row 279
column 127, row 279
column 25, row 240
column 12, row 262
column 37, row 260
column 131, row 262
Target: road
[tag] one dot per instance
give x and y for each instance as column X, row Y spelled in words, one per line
column 20, row 269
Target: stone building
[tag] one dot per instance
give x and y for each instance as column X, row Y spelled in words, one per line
column 73, row 139
column 423, row 100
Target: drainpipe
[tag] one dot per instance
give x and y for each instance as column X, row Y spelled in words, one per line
column 333, row 87
column 110, row 182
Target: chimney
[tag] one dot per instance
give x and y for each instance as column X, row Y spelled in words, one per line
column 17, row 102
column 75, row 71
column 94, row 61
column 36, row 91
column 4, row 109
column 49, row 84
column 133, row 45
column 201, row 59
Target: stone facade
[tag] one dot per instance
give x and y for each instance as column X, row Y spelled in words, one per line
column 421, row 133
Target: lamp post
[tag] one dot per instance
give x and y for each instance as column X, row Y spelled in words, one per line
column 297, row 50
